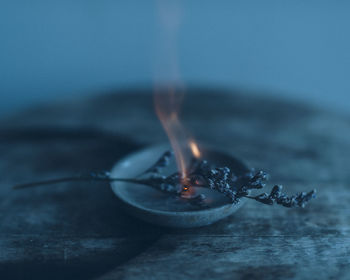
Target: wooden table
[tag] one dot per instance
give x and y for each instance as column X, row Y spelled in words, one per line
column 78, row 231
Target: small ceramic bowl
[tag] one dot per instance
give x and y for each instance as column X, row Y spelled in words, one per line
column 159, row 208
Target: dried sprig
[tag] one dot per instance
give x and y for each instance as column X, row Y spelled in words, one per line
column 276, row 196
column 162, row 162
column 223, row 180
column 200, row 174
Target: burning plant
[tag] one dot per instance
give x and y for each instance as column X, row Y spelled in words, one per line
column 200, row 174
column 192, row 171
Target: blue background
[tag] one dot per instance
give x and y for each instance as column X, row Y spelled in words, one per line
column 52, row 50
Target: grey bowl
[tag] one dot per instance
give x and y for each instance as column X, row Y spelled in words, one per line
column 159, row 208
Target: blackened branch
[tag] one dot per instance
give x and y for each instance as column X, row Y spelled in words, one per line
column 200, row 174
column 276, row 196
column 161, row 163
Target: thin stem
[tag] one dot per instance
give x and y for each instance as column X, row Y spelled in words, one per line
column 72, row 179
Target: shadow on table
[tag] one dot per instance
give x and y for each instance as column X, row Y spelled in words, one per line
column 68, row 231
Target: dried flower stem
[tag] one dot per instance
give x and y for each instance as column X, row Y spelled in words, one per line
column 200, row 174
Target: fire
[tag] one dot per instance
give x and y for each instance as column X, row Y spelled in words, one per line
column 169, row 92
column 167, row 103
column 194, row 148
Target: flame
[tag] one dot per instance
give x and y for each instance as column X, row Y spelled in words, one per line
column 167, row 103
column 169, row 92
column 194, row 148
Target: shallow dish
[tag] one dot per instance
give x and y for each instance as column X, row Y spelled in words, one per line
column 159, row 208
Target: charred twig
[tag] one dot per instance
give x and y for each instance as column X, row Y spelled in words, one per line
column 159, row 183
column 276, row 196
column 162, row 162
column 200, row 174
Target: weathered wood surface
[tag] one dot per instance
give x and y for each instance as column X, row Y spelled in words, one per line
column 77, row 230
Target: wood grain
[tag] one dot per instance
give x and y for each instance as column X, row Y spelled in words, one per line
column 77, row 231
